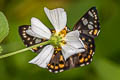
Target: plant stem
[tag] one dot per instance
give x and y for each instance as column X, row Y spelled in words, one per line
column 25, row 49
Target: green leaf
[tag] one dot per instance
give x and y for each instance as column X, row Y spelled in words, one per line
column 4, row 29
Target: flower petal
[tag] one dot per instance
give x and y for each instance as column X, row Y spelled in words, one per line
column 68, row 50
column 31, row 33
column 72, row 38
column 57, row 17
column 43, row 57
column 39, row 29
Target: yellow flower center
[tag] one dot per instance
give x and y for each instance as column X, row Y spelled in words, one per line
column 58, row 39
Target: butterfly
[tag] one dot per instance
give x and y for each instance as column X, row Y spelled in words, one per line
column 88, row 27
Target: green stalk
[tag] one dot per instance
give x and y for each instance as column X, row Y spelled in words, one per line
column 25, row 49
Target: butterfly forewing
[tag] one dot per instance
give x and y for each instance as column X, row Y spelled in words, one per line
column 30, row 40
column 89, row 23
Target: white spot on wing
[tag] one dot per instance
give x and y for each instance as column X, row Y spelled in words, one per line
column 25, row 36
column 61, row 70
column 56, row 71
column 94, row 13
column 37, row 40
column 98, row 32
column 83, row 18
column 91, row 59
column 92, row 10
column 90, row 26
column 85, row 21
column 79, row 27
column 24, row 28
column 90, row 13
column 95, row 25
column 82, row 65
column 91, row 22
column 96, row 17
column 31, row 42
column 24, row 31
column 50, row 70
column 95, row 21
column 28, row 38
column 87, row 63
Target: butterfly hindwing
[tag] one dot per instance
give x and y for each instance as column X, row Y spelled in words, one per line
column 57, row 62
column 89, row 48
column 83, row 58
column 30, row 40
column 89, row 23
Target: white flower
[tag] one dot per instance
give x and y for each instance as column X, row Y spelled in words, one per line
column 58, row 18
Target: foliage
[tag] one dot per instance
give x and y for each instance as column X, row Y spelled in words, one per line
column 4, row 29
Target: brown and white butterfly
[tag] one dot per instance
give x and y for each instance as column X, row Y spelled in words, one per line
column 88, row 27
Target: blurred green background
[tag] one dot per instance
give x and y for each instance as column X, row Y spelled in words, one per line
column 106, row 61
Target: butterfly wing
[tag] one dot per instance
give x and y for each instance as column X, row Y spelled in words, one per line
column 89, row 23
column 30, row 40
column 89, row 28
column 57, row 62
